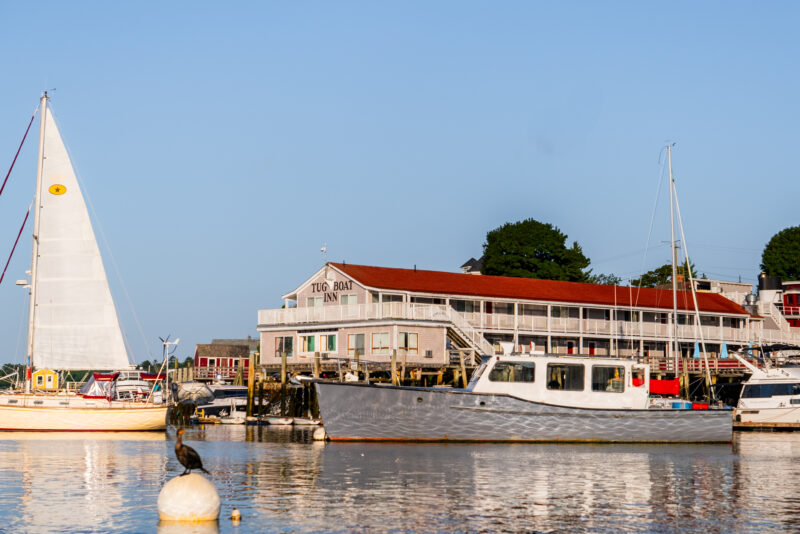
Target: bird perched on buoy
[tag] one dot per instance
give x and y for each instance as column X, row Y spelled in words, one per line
column 187, row 456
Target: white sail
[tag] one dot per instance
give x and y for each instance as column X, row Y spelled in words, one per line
column 75, row 324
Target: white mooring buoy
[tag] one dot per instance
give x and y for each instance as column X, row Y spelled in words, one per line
column 188, row 498
column 320, row 434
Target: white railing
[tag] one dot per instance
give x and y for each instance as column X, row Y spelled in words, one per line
column 469, row 324
column 387, row 310
column 776, row 314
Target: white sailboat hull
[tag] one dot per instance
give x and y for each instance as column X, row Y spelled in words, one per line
column 96, row 415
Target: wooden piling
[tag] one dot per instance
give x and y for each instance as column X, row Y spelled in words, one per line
column 251, row 378
column 394, row 367
column 463, row 368
column 316, row 364
column 283, row 384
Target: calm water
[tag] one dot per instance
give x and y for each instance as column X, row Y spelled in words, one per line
column 283, row 481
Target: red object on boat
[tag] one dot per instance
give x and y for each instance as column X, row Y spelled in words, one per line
column 699, row 406
column 665, row 387
column 105, row 377
column 152, row 376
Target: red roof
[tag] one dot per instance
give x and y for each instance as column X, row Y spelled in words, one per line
column 505, row 287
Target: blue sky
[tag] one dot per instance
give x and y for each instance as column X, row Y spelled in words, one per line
column 221, row 144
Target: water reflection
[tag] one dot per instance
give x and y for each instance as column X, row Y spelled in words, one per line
column 280, row 479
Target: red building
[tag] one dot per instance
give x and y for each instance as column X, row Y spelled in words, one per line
column 222, row 359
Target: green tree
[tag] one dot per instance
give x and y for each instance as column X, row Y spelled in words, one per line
column 605, row 279
column 531, row 249
column 781, row 257
column 661, row 276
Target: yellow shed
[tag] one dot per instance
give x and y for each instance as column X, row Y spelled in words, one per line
column 45, row 379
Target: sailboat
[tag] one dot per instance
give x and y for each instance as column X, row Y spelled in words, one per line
column 72, row 320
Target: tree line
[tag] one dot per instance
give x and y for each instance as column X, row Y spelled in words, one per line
column 533, row 249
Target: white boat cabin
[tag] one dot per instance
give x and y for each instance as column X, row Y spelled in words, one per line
column 772, row 388
column 574, row 381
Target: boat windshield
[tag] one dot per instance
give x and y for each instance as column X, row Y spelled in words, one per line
column 476, row 374
column 229, row 393
column 757, row 391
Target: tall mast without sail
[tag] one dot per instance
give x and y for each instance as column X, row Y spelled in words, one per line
column 674, row 344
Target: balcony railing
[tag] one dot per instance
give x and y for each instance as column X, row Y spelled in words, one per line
column 473, row 324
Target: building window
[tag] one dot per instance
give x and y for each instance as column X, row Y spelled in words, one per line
column 355, row 343
column 464, row 306
column 327, row 343
column 380, row 343
column 608, row 378
column 284, row 344
column 40, row 380
column 307, row 343
column 408, row 341
column 565, row 376
column 348, row 300
column 314, row 302
column 512, row 372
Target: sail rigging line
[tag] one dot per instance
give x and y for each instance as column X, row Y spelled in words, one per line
column 99, row 227
column 698, row 325
column 16, row 242
column 652, row 222
column 28, row 129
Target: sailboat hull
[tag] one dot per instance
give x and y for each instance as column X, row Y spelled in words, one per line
column 77, row 414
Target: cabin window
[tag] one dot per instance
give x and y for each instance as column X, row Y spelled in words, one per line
column 284, row 344
column 380, row 343
column 40, row 380
column 307, row 343
column 327, row 343
column 760, row 391
column 565, row 376
column 408, row 341
column 512, row 372
column 608, row 378
column 314, row 302
column 355, row 343
column 464, row 306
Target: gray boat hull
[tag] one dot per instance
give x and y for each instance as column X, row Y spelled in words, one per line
column 363, row 412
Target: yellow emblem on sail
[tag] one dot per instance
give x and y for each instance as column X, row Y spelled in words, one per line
column 57, row 189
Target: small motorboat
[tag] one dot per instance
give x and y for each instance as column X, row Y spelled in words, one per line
column 278, row 421
column 306, row 421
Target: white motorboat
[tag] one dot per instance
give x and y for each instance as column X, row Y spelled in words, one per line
column 222, row 400
column 521, row 398
column 770, row 398
column 306, row 421
column 278, row 421
column 72, row 320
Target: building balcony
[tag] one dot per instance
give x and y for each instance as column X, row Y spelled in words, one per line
column 501, row 322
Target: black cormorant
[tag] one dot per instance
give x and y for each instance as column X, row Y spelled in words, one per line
column 187, row 456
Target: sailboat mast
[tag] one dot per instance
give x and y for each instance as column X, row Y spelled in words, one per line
column 674, row 344
column 35, row 253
